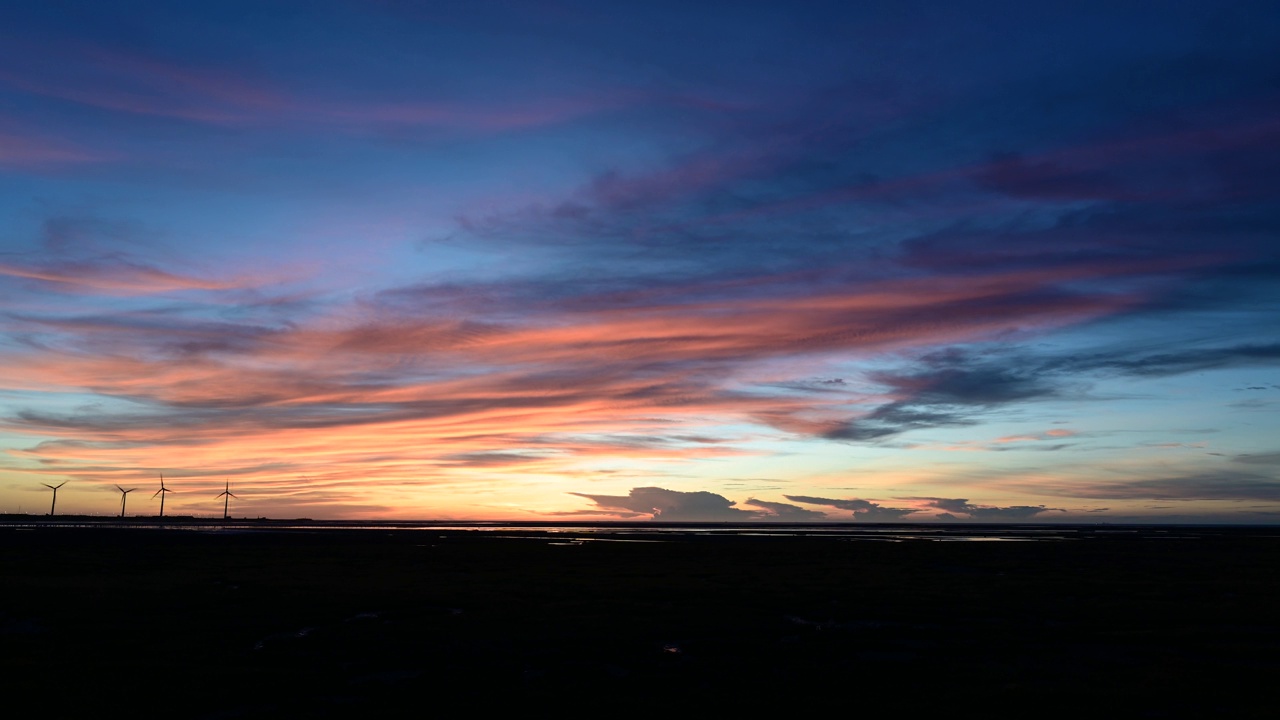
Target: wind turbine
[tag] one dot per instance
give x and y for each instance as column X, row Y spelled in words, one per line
column 124, row 495
column 226, row 496
column 161, row 492
column 54, row 488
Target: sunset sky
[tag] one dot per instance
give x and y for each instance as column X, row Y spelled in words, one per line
column 971, row 261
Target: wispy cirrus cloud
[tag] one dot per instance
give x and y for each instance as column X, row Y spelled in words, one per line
column 26, row 150
column 1262, row 458
column 956, row 388
column 1230, row 485
column 134, row 84
column 560, row 379
column 641, row 357
column 112, row 277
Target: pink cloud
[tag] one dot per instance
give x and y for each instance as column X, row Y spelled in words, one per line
column 31, row 151
column 424, row 400
column 1071, row 172
column 1034, row 437
column 114, row 278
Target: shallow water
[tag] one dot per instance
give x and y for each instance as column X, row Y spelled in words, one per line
column 575, row 534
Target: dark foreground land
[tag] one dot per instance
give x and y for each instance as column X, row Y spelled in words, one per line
column 359, row 623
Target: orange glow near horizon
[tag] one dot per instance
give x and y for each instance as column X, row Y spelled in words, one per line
column 422, row 405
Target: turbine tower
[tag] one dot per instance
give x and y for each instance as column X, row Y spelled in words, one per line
column 124, row 495
column 54, row 488
column 226, row 496
column 161, row 492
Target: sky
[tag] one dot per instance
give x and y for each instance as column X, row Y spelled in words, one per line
column 582, row 261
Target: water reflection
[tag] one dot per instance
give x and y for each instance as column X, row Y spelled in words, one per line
column 577, row 534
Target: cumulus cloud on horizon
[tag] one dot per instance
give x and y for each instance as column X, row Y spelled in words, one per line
column 671, row 505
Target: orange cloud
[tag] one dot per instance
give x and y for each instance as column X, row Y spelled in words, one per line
column 1055, row 433
column 408, row 405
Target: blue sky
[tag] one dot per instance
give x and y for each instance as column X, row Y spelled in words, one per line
column 961, row 261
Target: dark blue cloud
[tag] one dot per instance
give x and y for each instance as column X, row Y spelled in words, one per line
column 671, row 505
column 956, row 388
column 861, row 509
column 1220, row 485
column 952, row 507
column 785, row 511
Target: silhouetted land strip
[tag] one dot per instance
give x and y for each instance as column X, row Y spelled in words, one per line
column 1159, row 622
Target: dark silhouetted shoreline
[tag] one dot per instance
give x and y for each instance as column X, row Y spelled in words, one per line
column 323, row 622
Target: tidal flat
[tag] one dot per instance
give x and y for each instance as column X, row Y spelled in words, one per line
column 244, row 623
